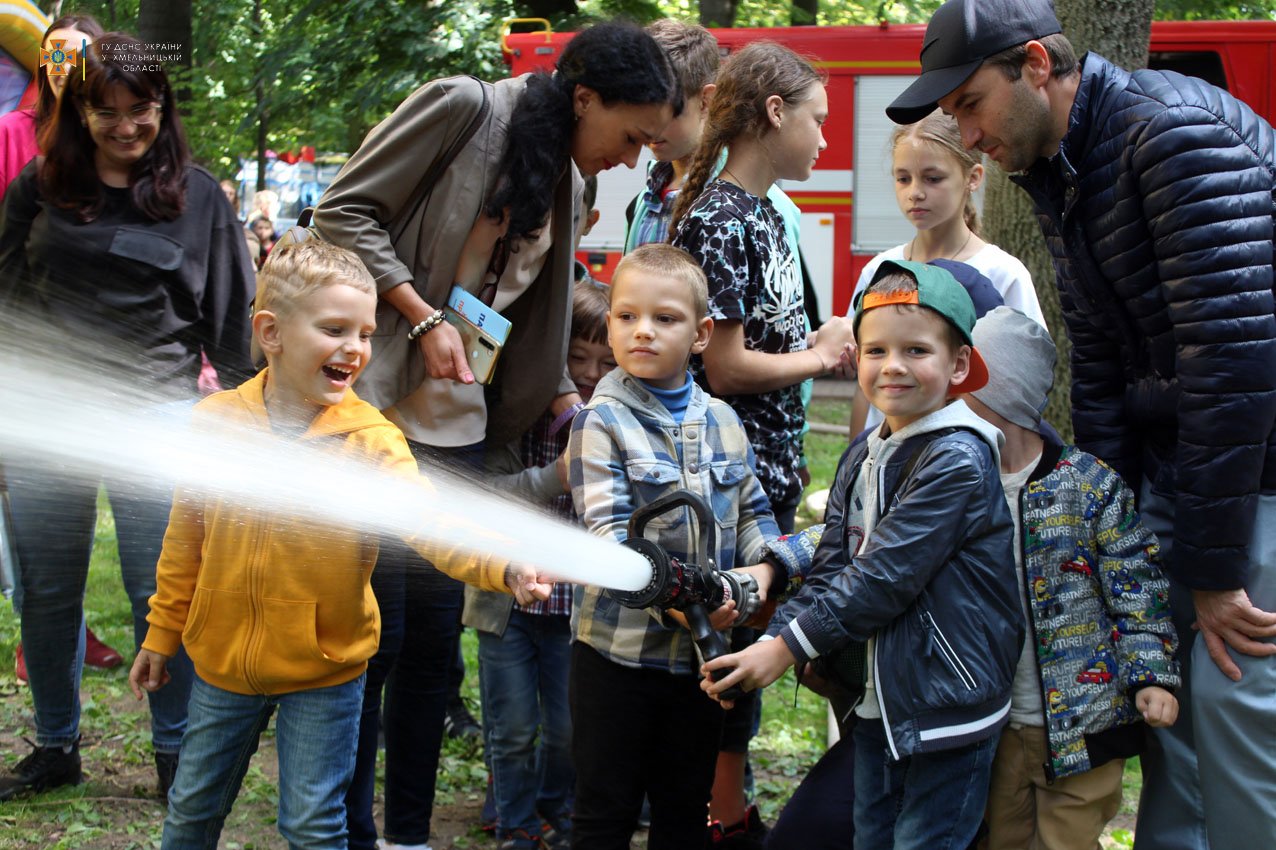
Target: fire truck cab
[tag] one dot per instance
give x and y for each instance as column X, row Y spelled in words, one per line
column 848, row 206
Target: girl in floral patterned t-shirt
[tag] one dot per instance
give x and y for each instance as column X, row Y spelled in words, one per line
column 768, row 111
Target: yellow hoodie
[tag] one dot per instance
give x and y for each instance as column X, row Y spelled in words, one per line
column 268, row 603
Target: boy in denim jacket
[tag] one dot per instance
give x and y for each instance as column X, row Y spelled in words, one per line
column 647, row 431
column 915, row 561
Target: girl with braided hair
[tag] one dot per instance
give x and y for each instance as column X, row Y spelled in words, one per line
column 767, row 112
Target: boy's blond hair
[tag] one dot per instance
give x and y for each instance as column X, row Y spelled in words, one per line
column 888, row 284
column 294, row 271
column 692, row 51
column 660, row 258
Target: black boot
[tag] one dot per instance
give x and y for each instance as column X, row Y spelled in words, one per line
column 166, row 770
column 45, row 768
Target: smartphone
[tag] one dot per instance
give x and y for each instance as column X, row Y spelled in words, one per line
column 483, row 331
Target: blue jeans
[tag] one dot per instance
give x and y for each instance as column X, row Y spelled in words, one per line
column 927, row 801
column 315, row 735
column 532, row 774
column 54, row 513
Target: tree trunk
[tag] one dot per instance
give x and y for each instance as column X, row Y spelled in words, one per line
column 168, row 22
column 1118, row 30
column 805, row 13
column 718, row 13
column 259, row 92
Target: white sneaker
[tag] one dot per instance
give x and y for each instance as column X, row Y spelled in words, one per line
column 382, row 844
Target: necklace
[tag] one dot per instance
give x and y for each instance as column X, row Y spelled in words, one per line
column 734, row 179
column 911, row 253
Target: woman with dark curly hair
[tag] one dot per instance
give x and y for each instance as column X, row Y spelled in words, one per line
column 113, row 237
column 499, row 222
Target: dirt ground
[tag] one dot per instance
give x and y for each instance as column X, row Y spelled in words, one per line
column 117, row 807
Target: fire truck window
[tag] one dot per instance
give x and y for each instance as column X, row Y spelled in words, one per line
column 1203, row 64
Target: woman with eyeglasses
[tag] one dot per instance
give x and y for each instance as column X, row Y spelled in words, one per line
column 18, row 147
column 128, row 257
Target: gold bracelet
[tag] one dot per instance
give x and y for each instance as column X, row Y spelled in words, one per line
column 823, row 369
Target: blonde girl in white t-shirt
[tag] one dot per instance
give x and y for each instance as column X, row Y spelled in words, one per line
column 935, row 181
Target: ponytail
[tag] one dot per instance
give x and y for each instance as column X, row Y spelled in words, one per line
column 619, row 61
column 703, row 165
column 537, row 147
column 748, row 78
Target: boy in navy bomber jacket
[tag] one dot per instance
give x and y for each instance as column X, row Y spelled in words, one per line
column 916, row 560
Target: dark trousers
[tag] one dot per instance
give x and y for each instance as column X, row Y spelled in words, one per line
column 820, row 815
column 637, row 731
column 416, row 691
column 416, row 694
column 54, row 513
column 387, row 586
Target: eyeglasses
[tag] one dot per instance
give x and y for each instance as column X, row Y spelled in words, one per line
column 140, row 115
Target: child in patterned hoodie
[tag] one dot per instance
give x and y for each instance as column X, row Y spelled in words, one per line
column 1099, row 663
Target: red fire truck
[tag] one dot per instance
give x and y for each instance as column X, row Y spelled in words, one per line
column 848, row 206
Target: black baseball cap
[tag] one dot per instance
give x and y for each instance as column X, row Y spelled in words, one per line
column 960, row 36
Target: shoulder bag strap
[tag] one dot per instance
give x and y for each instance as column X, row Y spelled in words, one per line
column 421, row 195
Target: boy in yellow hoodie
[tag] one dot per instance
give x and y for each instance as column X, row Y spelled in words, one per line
column 275, row 611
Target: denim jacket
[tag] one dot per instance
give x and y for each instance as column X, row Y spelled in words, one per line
column 626, row 451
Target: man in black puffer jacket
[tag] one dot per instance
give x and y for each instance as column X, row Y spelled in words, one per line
column 1155, row 195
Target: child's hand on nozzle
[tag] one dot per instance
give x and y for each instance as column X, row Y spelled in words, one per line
column 755, row 667
column 526, row 585
column 723, row 617
column 765, row 574
column 149, row 673
column 720, row 619
column 1157, row 705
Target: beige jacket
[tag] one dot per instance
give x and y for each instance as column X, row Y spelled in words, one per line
column 370, row 194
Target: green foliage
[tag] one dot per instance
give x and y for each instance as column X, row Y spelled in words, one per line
column 319, row 73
